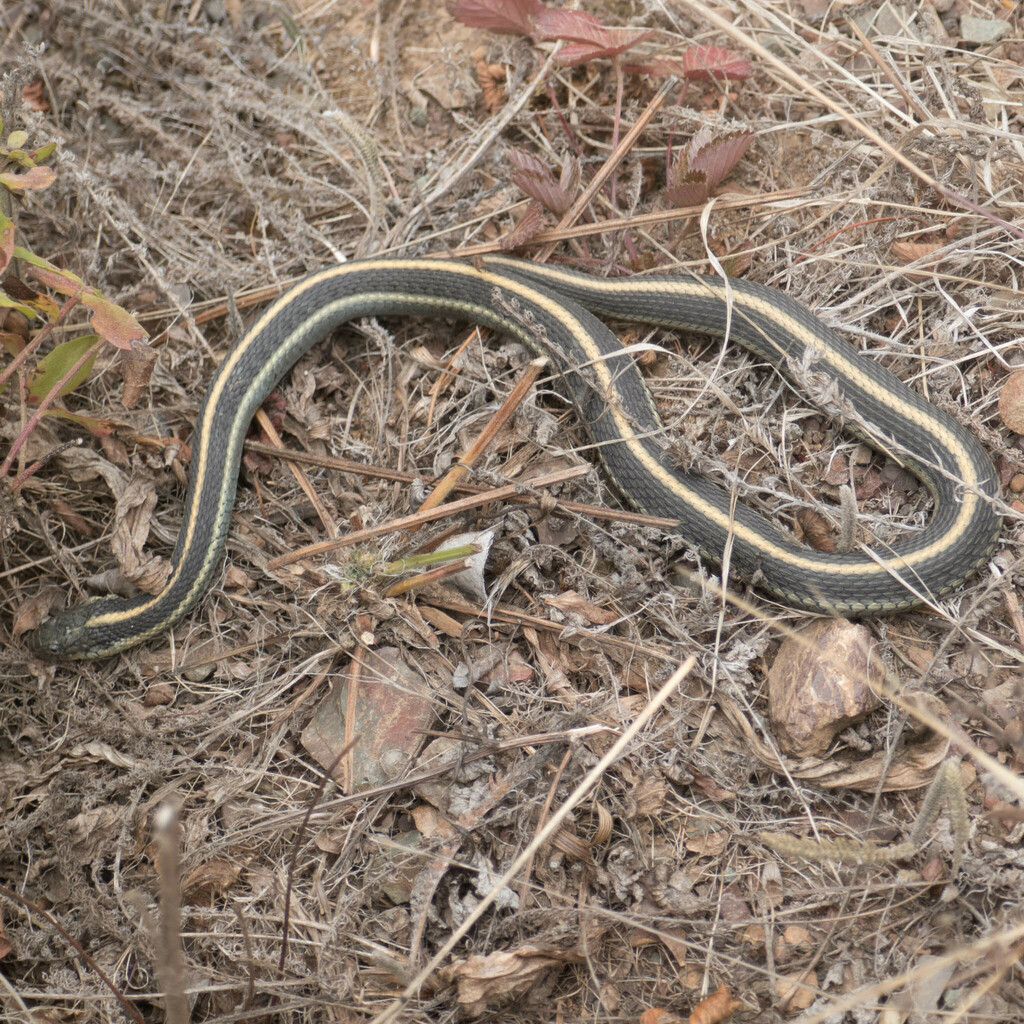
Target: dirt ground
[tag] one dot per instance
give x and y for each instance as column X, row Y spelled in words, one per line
column 332, row 794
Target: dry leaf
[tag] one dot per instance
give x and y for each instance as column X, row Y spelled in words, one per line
column 390, row 710
column 657, row 1015
column 209, row 880
column 797, row 991
column 30, row 613
column 815, row 529
column 911, row 252
column 675, row 941
column 497, row 978
column 570, row 601
column 717, row 1007
column 470, row 580
column 649, row 797
column 491, row 78
column 711, row 844
column 773, row 892
column 137, row 362
column 73, row 519
column 917, row 252
column 711, row 789
column 105, row 752
column 132, row 517
column 610, row 998
column 94, row 832
column 431, row 824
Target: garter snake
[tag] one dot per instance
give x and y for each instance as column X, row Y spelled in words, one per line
column 547, row 309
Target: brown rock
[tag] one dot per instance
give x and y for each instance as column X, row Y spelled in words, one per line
column 821, row 683
column 1011, row 402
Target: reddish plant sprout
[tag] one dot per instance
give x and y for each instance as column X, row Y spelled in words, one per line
column 526, row 228
column 704, row 164
column 696, row 63
column 585, row 36
column 510, row 17
column 536, row 179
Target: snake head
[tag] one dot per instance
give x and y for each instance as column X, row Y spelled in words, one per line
column 61, row 636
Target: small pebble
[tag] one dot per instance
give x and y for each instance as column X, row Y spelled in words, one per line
column 982, row 30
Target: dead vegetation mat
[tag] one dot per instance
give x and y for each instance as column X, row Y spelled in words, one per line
column 213, row 149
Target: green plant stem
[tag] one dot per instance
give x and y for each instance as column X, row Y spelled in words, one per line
column 47, row 401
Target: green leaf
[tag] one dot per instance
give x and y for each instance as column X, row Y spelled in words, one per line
column 6, row 241
column 113, row 323
column 6, row 302
column 62, row 281
column 45, row 307
column 294, row 33
column 17, row 140
column 57, row 363
column 95, row 426
column 43, row 152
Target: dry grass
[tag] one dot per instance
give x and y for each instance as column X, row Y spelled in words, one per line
column 203, row 158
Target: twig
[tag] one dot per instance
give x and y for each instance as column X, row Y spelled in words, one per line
column 36, row 909
column 552, row 825
column 419, row 518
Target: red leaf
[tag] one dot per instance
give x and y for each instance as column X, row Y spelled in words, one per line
column 526, row 162
column 110, row 321
column 536, row 180
column 696, row 63
column 576, row 25
column 587, row 37
column 526, row 229
column 514, row 17
column 704, row 163
column 713, row 62
column 690, row 189
column 718, row 157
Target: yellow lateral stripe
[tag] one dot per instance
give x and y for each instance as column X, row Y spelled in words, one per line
column 669, row 480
